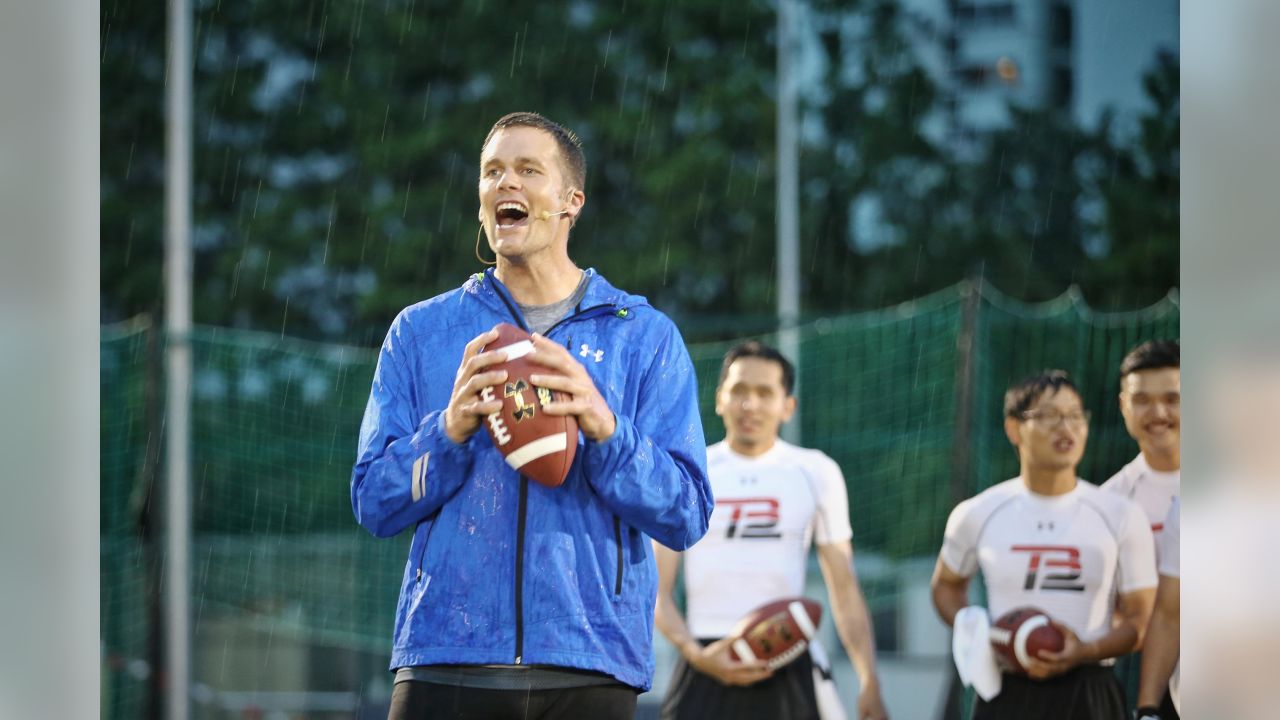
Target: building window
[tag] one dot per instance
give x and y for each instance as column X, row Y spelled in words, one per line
column 1063, row 87
column 988, row 13
column 974, row 75
column 1060, row 20
column 1004, row 71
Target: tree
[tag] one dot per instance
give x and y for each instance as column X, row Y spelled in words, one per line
column 875, row 181
column 1023, row 197
column 1139, row 186
column 132, row 159
column 336, row 146
column 335, row 151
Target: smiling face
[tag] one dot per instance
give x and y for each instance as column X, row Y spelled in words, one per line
column 522, row 177
column 1151, row 403
column 754, row 403
column 1051, row 434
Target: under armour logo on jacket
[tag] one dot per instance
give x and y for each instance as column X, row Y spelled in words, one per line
column 588, row 352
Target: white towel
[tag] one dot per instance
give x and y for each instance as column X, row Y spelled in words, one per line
column 824, row 688
column 971, row 648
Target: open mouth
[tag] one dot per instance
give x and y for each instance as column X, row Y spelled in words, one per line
column 1064, row 445
column 511, row 214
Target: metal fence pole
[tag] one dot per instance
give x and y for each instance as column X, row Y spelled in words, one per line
column 178, row 361
column 788, row 215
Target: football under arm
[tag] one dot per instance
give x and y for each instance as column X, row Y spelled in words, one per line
column 950, row 592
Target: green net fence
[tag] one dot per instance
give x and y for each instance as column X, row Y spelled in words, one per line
column 291, row 596
column 126, row 589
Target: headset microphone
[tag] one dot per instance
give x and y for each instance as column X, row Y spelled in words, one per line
column 547, row 214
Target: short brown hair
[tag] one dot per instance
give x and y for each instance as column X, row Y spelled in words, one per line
column 572, row 162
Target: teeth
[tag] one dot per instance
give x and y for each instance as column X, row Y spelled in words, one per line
column 511, row 206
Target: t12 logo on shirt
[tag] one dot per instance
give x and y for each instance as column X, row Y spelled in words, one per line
column 752, row 517
column 1061, row 565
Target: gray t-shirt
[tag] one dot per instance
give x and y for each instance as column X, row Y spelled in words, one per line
column 542, row 318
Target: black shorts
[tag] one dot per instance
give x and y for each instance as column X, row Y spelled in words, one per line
column 786, row 695
column 1090, row 692
column 414, row 700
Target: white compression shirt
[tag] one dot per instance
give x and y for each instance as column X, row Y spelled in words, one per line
column 769, row 509
column 1065, row 554
column 1153, row 490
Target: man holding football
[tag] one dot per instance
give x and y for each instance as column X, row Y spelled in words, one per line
column 1048, row 540
column 520, row 600
column 772, row 500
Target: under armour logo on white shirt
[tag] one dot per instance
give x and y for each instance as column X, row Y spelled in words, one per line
column 588, row 352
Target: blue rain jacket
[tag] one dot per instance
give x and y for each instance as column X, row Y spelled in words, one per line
column 501, row 569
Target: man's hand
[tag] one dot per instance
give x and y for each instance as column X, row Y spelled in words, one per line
column 870, row 704
column 466, row 409
column 714, row 660
column 1050, row 664
column 585, row 402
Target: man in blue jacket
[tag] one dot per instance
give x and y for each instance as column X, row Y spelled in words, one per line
column 520, row 600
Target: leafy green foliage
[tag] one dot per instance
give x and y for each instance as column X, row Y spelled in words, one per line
column 1140, row 196
column 336, row 142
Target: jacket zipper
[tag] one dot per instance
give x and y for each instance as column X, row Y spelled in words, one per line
column 520, row 523
column 522, row 510
column 617, row 536
column 422, row 553
column 524, row 493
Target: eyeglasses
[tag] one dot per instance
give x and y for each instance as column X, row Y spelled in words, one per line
column 1051, row 418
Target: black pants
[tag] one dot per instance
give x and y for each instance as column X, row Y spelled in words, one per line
column 785, row 695
column 1090, row 692
column 413, row 700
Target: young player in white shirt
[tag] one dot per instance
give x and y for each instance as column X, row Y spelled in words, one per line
column 1151, row 402
column 1047, row 539
column 773, row 500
